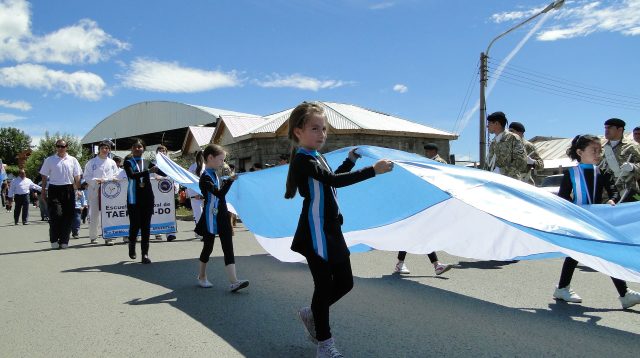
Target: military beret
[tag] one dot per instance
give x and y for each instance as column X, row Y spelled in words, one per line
column 498, row 117
column 431, row 146
column 517, row 126
column 616, row 122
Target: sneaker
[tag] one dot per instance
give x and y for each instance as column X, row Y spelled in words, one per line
column 204, row 283
column 158, row 237
column 171, row 237
column 93, row 241
column 75, row 236
column 199, row 237
column 401, row 268
column 145, row 259
column 108, row 242
column 125, row 239
column 306, row 316
column 238, row 285
column 55, row 245
column 442, row 268
column 567, row 294
column 631, row 298
column 327, row 349
column 63, row 246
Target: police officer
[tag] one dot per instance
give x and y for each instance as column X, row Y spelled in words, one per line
column 621, row 157
column 534, row 161
column 506, row 151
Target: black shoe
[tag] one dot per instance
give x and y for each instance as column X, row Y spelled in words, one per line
column 145, row 259
column 171, row 237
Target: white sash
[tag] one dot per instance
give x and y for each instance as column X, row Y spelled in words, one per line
column 612, row 162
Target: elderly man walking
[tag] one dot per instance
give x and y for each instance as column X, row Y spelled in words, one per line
column 62, row 172
column 19, row 191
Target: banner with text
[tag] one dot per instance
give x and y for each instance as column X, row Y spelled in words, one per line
column 113, row 208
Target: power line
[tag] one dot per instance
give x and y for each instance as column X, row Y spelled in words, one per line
column 465, row 102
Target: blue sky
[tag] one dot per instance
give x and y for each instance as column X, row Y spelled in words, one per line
column 67, row 64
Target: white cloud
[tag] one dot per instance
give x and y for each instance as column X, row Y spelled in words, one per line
column 9, row 118
column 382, row 5
column 400, row 88
column 301, row 82
column 83, row 42
column 160, row 76
column 584, row 17
column 81, row 84
column 20, row 105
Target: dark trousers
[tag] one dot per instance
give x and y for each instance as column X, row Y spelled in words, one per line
column 61, row 201
column 140, row 220
column 227, row 248
column 432, row 256
column 567, row 273
column 331, row 282
column 22, row 204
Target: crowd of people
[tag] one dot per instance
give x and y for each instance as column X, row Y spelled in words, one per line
column 68, row 190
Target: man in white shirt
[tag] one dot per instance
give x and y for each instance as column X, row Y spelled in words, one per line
column 62, row 172
column 97, row 170
column 19, row 193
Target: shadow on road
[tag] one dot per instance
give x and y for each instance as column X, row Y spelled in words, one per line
column 380, row 317
column 483, row 265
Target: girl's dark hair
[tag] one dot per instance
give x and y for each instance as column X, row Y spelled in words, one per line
column 581, row 142
column 212, row 149
column 199, row 163
column 298, row 118
column 137, row 141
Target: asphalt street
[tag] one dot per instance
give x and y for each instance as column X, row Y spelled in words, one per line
column 93, row 301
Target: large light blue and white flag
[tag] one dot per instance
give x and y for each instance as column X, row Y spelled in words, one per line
column 424, row 206
column 177, row 173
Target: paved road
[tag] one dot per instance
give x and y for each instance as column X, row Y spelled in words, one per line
column 92, row 301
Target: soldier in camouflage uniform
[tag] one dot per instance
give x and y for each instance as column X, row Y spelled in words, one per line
column 506, row 151
column 622, row 158
column 431, row 152
column 534, row 161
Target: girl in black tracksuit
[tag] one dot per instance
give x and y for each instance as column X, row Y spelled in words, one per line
column 318, row 236
column 140, row 199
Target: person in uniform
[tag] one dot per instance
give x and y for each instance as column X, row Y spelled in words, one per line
column 534, row 161
column 621, row 158
column 506, row 151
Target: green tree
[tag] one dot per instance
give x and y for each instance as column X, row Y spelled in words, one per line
column 12, row 142
column 47, row 147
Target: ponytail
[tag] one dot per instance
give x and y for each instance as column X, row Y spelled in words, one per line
column 291, row 187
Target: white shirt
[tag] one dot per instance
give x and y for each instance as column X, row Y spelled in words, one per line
column 98, row 168
column 21, row 186
column 121, row 174
column 61, row 171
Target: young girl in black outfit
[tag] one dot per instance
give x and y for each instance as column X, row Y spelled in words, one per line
column 319, row 235
column 583, row 185
column 215, row 219
column 140, row 199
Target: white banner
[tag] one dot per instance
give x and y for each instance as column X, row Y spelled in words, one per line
column 113, row 208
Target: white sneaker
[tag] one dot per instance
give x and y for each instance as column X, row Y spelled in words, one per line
column 238, row 285
column 306, row 316
column 63, row 246
column 158, row 237
column 442, row 268
column 204, row 283
column 401, row 268
column 631, row 298
column 55, row 245
column 327, row 349
column 567, row 294
column 108, row 242
column 93, row 241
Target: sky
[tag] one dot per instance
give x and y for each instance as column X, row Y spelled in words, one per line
column 66, row 65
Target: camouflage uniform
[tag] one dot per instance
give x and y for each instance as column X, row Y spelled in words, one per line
column 508, row 155
column 439, row 159
column 530, row 151
column 625, row 151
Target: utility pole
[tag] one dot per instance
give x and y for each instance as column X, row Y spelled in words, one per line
column 483, row 111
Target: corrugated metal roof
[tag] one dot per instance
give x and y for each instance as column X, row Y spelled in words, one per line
column 239, row 125
column 202, row 135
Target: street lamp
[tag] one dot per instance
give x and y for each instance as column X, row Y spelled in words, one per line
column 483, row 79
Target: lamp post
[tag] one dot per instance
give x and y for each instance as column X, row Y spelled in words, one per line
column 483, row 79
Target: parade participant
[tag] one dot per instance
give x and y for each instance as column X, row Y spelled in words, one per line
column 120, row 175
column 431, row 152
column 583, row 185
column 318, row 236
column 196, row 199
column 19, row 191
column 161, row 175
column 621, row 159
column 506, row 151
column 215, row 218
column 140, row 199
column 636, row 135
column 61, row 172
column 534, row 161
column 98, row 170
column 80, row 203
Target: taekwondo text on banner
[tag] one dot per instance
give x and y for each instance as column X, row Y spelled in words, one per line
column 113, row 208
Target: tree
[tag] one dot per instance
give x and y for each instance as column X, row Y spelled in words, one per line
column 47, row 147
column 12, row 142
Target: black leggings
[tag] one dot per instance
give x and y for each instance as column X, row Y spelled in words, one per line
column 567, row 272
column 139, row 219
column 227, row 248
column 331, row 282
column 432, row 256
